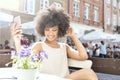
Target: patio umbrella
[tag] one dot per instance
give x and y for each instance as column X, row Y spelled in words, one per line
column 5, row 19
column 97, row 35
column 28, row 28
column 117, row 38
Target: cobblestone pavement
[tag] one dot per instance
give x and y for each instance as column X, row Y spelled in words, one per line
column 103, row 76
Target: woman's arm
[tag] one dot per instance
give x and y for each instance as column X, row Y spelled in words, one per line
column 36, row 48
column 16, row 32
column 81, row 53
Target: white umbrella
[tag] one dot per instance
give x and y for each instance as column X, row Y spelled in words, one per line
column 117, row 38
column 28, row 25
column 28, row 28
column 5, row 19
column 97, row 35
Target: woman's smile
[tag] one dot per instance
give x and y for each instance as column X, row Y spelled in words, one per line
column 51, row 33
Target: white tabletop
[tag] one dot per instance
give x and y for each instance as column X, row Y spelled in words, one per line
column 8, row 74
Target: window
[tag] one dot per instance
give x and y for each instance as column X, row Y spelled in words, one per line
column 114, row 20
column 44, row 4
column 96, row 14
column 115, row 3
column 58, row 5
column 119, row 5
column 86, row 11
column 76, row 9
column 108, row 1
column 108, row 18
column 30, row 6
column 119, row 20
column 98, row 0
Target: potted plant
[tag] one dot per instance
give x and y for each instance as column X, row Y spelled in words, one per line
column 26, row 62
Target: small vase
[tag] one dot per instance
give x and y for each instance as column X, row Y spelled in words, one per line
column 26, row 74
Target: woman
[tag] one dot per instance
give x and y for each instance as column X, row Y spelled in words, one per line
column 52, row 24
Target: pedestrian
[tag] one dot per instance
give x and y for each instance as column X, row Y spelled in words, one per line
column 103, row 51
column 6, row 44
column 52, row 24
column 96, row 51
column 1, row 46
column 91, row 48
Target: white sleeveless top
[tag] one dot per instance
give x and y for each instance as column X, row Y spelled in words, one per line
column 57, row 62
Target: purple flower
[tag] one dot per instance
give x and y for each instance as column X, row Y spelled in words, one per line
column 14, row 53
column 43, row 52
column 25, row 51
column 40, row 56
column 27, row 60
column 36, row 57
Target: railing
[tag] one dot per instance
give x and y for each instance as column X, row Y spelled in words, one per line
column 106, row 65
column 5, row 58
column 2, row 51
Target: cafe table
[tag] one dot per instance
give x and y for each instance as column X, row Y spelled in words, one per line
column 9, row 74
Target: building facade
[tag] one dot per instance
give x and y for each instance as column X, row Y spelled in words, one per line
column 84, row 14
column 88, row 12
column 111, row 15
column 33, row 6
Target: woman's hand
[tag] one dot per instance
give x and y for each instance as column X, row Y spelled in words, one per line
column 70, row 32
column 80, row 54
column 16, row 32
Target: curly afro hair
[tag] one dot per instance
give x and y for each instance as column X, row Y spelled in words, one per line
column 50, row 18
